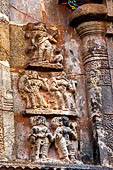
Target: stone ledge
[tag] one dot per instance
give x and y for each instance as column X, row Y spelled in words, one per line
column 46, row 166
column 88, row 12
column 51, row 112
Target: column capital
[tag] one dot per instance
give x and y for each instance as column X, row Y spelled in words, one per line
column 88, row 12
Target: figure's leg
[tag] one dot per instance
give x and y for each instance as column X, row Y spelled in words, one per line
column 72, row 152
column 67, row 100
column 50, row 54
column 32, row 155
column 40, row 53
column 62, row 149
column 28, row 102
column 41, row 100
column 60, row 100
column 33, row 100
column 45, row 149
column 37, row 150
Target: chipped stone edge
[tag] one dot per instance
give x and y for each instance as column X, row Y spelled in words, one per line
column 3, row 17
column 30, row 165
column 4, row 63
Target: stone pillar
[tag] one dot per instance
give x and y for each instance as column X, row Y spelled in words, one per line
column 6, row 95
column 90, row 25
column 4, row 53
column 108, row 118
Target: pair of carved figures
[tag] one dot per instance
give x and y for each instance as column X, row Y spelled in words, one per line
column 42, row 46
column 61, row 91
column 64, row 134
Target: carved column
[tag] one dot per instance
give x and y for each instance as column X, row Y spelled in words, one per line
column 108, row 118
column 90, row 26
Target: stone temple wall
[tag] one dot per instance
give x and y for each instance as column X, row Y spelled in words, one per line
column 56, row 71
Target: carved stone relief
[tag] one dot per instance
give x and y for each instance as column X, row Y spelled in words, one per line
column 43, row 47
column 54, row 94
column 63, row 136
column 40, row 139
column 108, row 126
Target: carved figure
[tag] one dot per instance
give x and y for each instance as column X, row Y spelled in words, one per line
column 43, row 44
column 64, row 135
column 40, row 139
column 64, row 92
column 31, row 87
column 60, row 90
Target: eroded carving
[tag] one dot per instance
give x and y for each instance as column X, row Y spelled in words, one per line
column 43, row 47
column 64, row 135
column 40, row 139
column 64, row 91
column 56, row 93
column 30, row 90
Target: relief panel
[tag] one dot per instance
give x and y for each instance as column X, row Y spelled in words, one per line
column 55, row 94
column 43, row 47
column 59, row 132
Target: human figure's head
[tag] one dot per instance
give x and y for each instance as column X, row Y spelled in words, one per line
column 65, row 121
column 35, row 75
column 56, row 122
column 35, row 26
column 40, row 120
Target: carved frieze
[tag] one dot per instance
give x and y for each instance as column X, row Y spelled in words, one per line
column 55, row 94
column 98, row 74
column 61, row 133
column 42, row 49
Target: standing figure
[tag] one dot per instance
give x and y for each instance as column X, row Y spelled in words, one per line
column 64, row 136
column 32, row 88
column 40, row 138
column 43, row 46
column 64, row 92
column 56, row 92
column 41, row 42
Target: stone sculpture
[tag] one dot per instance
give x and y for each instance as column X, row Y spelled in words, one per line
column 61, row 91
column 63, row 136
column 64, row 91
column 42, row 46
column 29, row 86
column 40, row 139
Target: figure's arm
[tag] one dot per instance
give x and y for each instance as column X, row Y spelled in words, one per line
column 45, row 85
column 73, row 134
column 27, row 89
column 71, row 88
column 51, row 39
column 50, row 136
column 53, row 87
column 32, row 136
column 58, row 134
